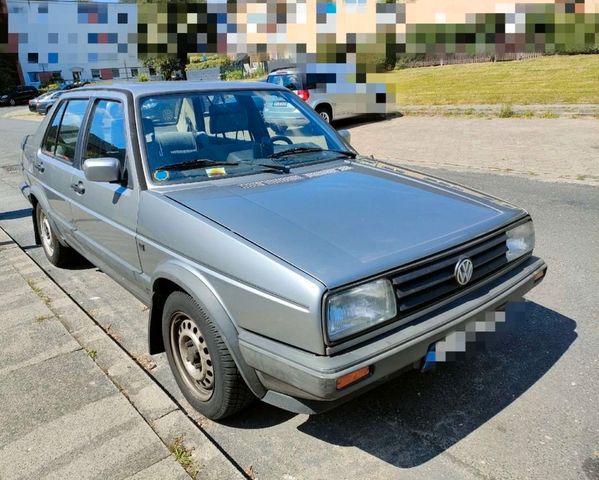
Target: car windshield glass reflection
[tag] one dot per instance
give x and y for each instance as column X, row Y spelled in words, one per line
column 192, row 137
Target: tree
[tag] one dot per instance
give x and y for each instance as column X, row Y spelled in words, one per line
column 165, row 64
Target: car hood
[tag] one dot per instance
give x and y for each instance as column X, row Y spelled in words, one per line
column 347, row 222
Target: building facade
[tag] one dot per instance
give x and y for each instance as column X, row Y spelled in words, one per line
column 104, row 40
column 73, row 40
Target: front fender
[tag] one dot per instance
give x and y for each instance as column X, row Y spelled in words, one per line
column 195, row 284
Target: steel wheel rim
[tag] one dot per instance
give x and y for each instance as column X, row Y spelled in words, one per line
column 191, row 355
column 46, row 235
column 325, row 116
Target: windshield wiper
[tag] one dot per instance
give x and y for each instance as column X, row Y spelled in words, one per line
column 196, row 164
column 296, row 150
column 274, row 166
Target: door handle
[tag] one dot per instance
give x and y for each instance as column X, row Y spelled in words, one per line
column 39, row 166
column 78, row 187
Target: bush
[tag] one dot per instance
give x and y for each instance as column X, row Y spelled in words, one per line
column 142, row 77
column 233, row 75
column 213, row 61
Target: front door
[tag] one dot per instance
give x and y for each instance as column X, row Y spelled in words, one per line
column 105, row 214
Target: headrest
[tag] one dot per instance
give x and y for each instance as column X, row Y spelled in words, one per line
column 228, row 117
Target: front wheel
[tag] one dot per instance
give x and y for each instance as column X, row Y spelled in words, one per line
column 58, row 254
column 200, row 361
column 12, row 102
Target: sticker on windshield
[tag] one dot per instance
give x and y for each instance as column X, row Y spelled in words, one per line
column 161, row 175
column 216, row 172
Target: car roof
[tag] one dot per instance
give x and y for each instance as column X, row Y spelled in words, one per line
column 156, row 88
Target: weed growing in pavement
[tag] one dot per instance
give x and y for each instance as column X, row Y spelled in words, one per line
column 92, row 353
column 506, row 111
column 182, row 455
column 39, row 292
column 41, row 318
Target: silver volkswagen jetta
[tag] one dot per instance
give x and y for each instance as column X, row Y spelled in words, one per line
column 282, row 266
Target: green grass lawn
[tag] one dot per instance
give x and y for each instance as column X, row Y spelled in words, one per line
column 544, row 80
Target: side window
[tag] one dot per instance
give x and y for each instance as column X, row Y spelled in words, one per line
column 106, row 136
column 49, row 144
column 66, row 141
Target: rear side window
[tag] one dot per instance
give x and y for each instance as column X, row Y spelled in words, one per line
column 66, row 140
column 292, row 81
column 107, row 132
column 49, row 144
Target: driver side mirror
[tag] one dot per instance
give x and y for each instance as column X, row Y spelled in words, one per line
column 102, row 169
column 345, row 135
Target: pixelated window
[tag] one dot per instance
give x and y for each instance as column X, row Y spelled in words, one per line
column 92, row 38
column 112, row 38
column 34, row 76
column 123, row 48
column 96, row 74
column 115, row 73
column 42, row 8
column 32, row 57
column 92, row 57
column 355, row 2
column 122, row 18
column 134, row 72
column 53, row 57
column 53, row 38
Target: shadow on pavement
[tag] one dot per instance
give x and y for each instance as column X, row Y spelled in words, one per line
column 416, row 416
column 13, row 215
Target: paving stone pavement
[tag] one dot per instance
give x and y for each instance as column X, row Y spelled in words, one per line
column 554, row 150
column 73, row 404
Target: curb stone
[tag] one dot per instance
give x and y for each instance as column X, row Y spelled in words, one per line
column 158, row 410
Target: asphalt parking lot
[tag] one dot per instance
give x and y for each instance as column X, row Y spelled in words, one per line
column 526, row 407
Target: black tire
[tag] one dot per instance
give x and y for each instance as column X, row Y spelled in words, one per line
column 57, row 253
column 216, row 396
column 325, row 113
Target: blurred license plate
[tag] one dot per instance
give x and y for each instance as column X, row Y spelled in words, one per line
column 279, row 104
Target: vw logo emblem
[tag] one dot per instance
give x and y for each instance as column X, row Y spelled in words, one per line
column 463, row 271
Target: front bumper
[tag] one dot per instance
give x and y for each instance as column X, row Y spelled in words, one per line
column 306, row 383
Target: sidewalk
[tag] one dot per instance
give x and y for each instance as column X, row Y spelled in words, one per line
column 73, row 404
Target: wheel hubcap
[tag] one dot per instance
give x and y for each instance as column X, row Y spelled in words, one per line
column 324, row 116
column 46, row 234
column 191, row 355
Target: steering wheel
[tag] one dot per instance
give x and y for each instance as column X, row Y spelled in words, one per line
column 283, row 138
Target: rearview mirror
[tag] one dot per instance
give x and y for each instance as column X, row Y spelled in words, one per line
column 345, row 135
column 102, row 169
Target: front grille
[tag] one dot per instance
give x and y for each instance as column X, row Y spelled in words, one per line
column 426, row 284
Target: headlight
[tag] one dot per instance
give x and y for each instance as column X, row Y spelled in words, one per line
column 360, row 308
column 520, row 240
column 3, row 97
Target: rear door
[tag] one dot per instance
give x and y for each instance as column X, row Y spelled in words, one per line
column 105, row 214
column 53, row 165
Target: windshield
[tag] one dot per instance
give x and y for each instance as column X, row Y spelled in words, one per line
column 192, row 137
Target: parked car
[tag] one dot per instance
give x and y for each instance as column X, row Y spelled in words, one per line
column 34, row 101
column 18, row 95
column 330, row 106
column 280, row 266
column 43, row 105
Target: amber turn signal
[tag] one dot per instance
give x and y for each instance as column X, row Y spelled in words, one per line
column 352, row 377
